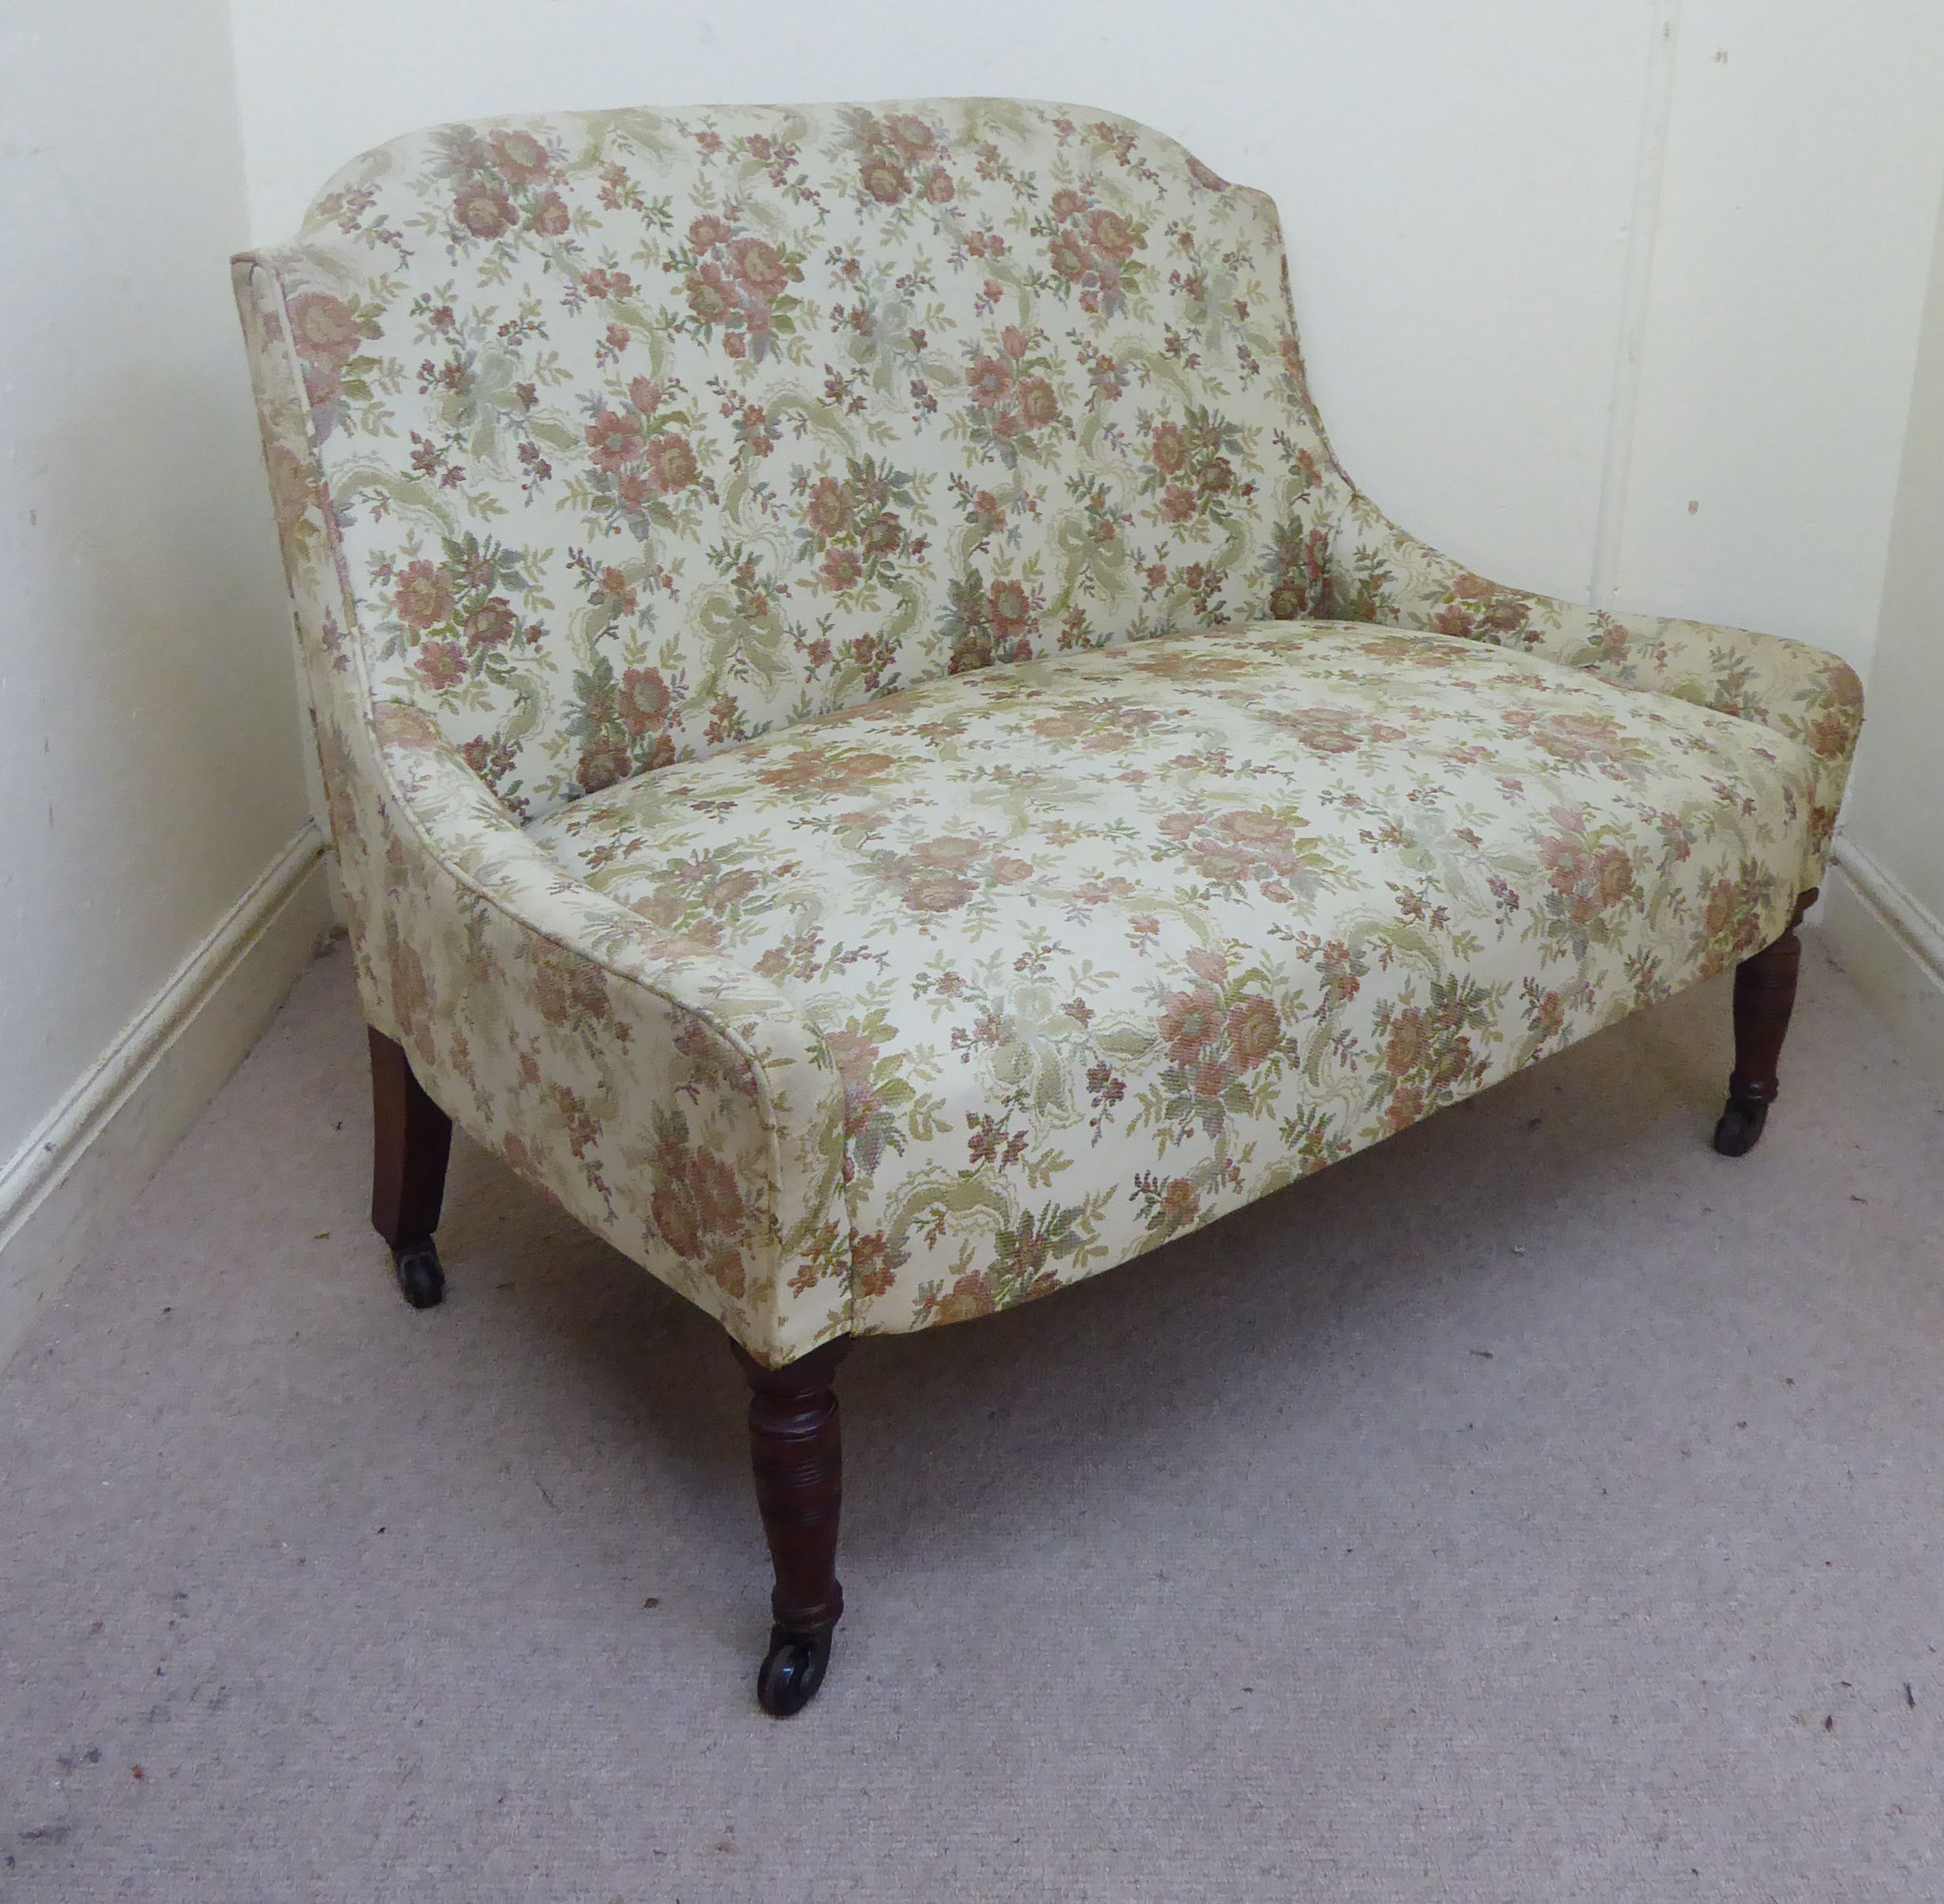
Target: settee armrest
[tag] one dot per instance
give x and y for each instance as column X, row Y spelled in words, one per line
column 1379, row 572
column 671, row 1099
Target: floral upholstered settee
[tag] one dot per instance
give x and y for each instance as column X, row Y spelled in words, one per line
column 874, row 754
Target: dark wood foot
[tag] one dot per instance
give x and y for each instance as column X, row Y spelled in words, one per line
column 410, row 1141
column 796, row 1451
column 1764, row 995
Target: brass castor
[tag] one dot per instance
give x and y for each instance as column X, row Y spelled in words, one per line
column 421, row 1277
column 791, row 1674
column 1740, row 1126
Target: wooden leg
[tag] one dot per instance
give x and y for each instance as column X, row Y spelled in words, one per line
column 1764, row 995
column 410, row 1141
column 798, row 1456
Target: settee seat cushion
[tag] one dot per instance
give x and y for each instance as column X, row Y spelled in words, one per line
column 1106, row 944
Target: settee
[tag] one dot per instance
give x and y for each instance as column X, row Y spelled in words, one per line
column 874, row 754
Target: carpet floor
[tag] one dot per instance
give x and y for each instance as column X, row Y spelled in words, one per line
column 1537, row 1507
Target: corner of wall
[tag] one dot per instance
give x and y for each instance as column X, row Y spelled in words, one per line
column 75, row 1178
column 1892, row 947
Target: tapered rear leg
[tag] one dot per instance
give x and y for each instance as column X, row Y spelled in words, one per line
column 1764, row 995
column 798, row 1458
column 411, row 1139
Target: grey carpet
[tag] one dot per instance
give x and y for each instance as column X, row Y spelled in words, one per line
column 1538, row 1507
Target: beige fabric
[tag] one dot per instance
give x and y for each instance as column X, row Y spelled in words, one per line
column 619, row 454
column 1106, row 946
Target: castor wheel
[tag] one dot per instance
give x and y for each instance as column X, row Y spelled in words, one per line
column 1741, row 1125
column 420, row 1275
column 789, row 1675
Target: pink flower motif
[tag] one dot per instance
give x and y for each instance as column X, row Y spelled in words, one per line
column 323, row 328
column 671, row 464
column 483, row 209
column 646, row 395
column 929, row 891
column 882, row 537
column 1066, row 202
column 1069, row 257
column 707, row 232
column 1212, row 1078
column 1039, row 405
column 911, row 134
column 519, row 155
column 491, row 625
column 759, row 266
column 644, row 701
column 953, row 852
column 1017, row 342
column 1255, row 1032
column 842, row 569
column 885, row 180
column 829, row 510
column 938, row 190
column 550, row 217
column 1180, row 1203
column 423, row 597
column 708, row 294
column 1191, row 1022
column 615, row 442
column 990, row 381
column 1009, row 608
column 1112, row 235
column 441, row 665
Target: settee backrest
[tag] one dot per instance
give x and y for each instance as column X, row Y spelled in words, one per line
column 645, row 433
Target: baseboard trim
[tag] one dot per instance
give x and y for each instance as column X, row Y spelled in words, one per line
column 1891, row 946
column 75, row 1177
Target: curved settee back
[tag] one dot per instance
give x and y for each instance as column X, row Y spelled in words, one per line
column 646, row 433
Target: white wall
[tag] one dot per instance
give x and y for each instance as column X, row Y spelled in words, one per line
column 149, row 775
column 1804, row 161
column 1459, row 186
column 1897, row 813
column 1886, row 911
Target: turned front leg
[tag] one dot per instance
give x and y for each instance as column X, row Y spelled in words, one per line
column 798, row 1456
column 411, row 1139
column 1765, row 995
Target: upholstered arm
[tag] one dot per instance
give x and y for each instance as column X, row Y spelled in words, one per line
column 1379, row 573
column 671, row 1099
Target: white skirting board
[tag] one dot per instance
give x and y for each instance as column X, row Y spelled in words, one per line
column 73, row 1179
column 1892, row 947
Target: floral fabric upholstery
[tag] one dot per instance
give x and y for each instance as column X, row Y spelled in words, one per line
column 1106, row 946
column 729, row 550
column 1377, row 572
column 647, row 434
